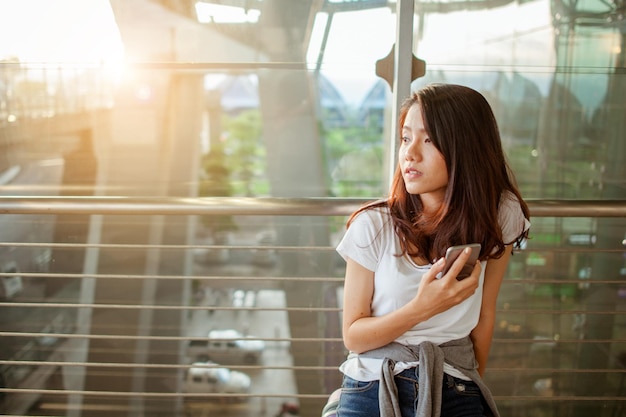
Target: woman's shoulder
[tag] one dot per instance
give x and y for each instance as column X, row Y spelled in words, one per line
column 369, row 233
column 511, row 217
column 377, row 213
column 509, row 203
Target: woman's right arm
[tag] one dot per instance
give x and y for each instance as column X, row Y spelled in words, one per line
column 363, row 332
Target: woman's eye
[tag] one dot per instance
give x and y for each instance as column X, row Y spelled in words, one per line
column 427, row 140
column 405, row 139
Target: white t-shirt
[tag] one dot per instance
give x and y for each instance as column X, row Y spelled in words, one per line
column 371, row 241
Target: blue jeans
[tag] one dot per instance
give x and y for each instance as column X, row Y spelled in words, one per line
column 459, row 398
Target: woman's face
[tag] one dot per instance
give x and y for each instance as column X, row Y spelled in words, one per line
column 422, row 165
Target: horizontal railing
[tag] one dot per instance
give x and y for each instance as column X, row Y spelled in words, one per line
column 325, row 207
column 263, row 206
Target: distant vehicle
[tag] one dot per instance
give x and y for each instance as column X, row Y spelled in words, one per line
column 210, row 378
column 10, row 286
column 226, row 346
column 288, row 409
column 244, row 299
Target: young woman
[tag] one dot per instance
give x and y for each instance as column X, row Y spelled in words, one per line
column 419, row 341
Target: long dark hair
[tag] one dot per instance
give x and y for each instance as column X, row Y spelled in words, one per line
column 461, row 124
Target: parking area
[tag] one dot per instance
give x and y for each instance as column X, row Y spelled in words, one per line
column 276, row 379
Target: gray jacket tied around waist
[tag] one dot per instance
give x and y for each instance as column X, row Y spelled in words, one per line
column 458, row 353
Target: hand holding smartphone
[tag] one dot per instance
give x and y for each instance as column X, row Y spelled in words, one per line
column 453, row 252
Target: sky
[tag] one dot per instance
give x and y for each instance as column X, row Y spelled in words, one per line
column 356, row 41
column 59, row 30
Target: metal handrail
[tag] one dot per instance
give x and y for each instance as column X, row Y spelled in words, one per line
column 322, row 206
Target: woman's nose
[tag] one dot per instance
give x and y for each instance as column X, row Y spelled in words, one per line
column 411, row 152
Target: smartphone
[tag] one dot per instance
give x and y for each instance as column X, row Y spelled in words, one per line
column 453, row 252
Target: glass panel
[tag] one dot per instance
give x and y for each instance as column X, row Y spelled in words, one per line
column 354, row 127
column 279, row 98
column 560, row 327
column 552, row 74
column 146, row 102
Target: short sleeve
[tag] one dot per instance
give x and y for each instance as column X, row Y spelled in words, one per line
column 362, row 240
column 511, row 218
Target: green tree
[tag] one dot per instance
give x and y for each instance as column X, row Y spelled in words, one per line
column 246, row 153
column 355, row 159
column 215, row 182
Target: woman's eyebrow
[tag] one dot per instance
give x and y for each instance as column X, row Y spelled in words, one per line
column 411, row 129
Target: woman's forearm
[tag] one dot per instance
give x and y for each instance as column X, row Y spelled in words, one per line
column 369, row 333
column 481, row 336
